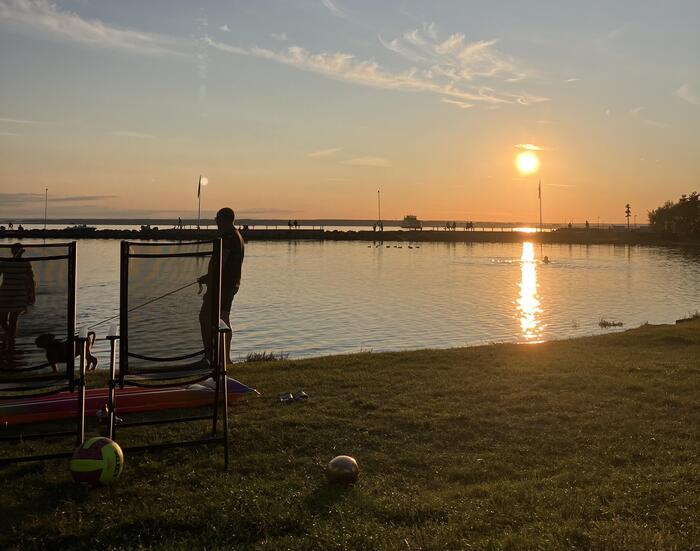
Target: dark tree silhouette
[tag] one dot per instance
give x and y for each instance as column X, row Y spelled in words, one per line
column 680, row 218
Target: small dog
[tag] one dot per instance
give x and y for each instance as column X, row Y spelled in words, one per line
column 57, row 350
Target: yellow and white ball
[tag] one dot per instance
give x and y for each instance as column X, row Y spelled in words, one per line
column 98, row 462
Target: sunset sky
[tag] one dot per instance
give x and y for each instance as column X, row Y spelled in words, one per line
column 304, row 109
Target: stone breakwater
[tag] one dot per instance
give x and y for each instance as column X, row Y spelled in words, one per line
column 566, row 236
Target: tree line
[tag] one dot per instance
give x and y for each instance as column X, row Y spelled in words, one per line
column 681, row 217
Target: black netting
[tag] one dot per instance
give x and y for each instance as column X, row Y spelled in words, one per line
column 163, row 308
column 35, row 305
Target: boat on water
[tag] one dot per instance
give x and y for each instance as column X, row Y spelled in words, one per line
column 411, row 222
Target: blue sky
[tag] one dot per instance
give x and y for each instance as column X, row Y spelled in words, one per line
column 306, row 108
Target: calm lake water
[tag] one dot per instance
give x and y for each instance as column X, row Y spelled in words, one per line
column 316, row 298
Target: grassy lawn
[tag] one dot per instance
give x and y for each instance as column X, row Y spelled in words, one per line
column 587, row 443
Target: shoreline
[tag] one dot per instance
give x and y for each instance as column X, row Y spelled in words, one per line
column 589, row 440
column 561, row 236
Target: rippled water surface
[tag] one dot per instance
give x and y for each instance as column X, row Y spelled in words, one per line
column 315, row 298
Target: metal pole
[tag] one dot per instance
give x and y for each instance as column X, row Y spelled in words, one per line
column 540, row 194
column 199, row 200
column 46, row 205
column 379, row 205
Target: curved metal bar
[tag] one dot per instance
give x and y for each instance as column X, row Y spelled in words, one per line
column 157, row 383
column 24, row 369
column 169, row 255
column 34, row 258
column 173, row 359
column 34, row 245
column 167, row 243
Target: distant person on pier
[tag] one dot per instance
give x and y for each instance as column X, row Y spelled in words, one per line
column 296, row 224
column 587, row 224
column 10, row 225
column 179, row 223
column 233, row 251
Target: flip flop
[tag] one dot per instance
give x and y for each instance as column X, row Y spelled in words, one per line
column 286, row 398
column 300, row 396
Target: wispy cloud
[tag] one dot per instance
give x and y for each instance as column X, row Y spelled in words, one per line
column 24, row 198
column 346, row 67
column 605, row 41
column 264, row 211
column 282, row 37
column 531, row 147
column 9, row 134
column 637, row 114
column 17, row 121
column 460, row 104
column 686, row 94
column 323, row 153
column 334, row 9
column 225, row 28
column 130, row 134
column 525, row 98
column 374, row 162
column 48, row 19
column 202, row 56
column 572, row 80
column 454, row 58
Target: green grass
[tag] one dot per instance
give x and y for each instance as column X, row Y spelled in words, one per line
column 583, row 444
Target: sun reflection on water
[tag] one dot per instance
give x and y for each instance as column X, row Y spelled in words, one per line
column 528, row 305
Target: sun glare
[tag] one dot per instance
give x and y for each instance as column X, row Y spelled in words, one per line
column 529, row 306
column 527, row 162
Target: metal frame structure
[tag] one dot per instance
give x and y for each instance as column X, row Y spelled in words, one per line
column 159, row 377
column 24, row 385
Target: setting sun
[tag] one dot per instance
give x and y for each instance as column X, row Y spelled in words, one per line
column 527, row 162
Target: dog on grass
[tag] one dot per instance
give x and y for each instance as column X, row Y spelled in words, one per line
column 57, row 350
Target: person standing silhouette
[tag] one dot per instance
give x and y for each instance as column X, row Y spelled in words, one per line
column 17, row 293
column 233, row 251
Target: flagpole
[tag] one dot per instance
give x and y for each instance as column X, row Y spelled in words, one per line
column 539, row 192
column 46, row 205
column 379, row 206
column 199, row 200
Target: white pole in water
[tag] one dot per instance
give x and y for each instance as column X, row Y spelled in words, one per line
column 46, row 205
column 379, row 206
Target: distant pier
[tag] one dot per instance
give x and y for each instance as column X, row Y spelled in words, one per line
column 564, row 235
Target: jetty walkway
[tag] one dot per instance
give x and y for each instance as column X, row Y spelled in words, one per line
column 564, row 235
